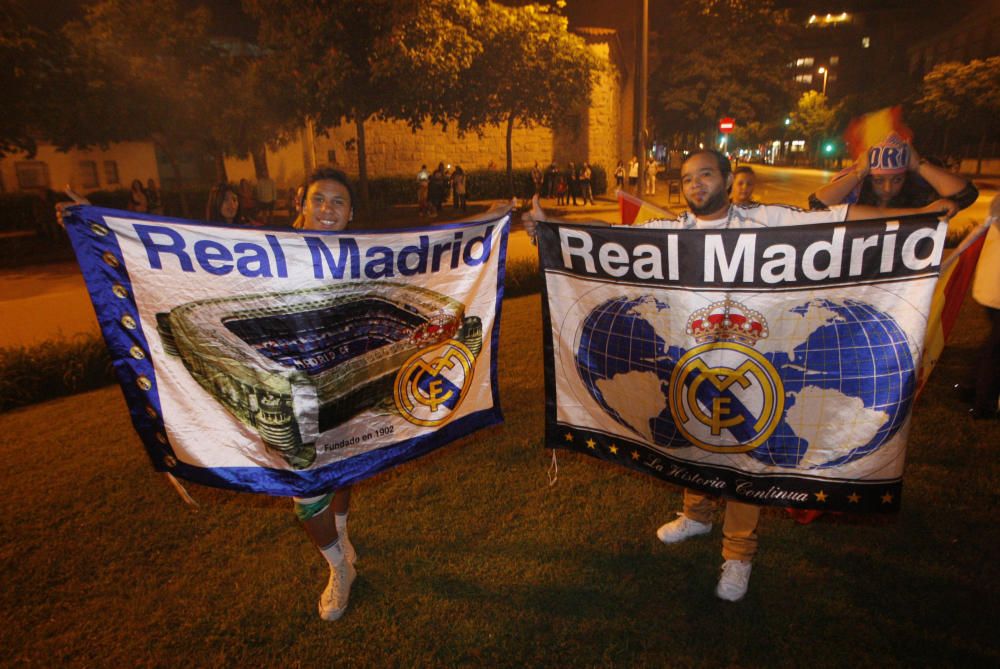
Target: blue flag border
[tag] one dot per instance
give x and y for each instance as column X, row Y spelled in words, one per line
column 102, row 264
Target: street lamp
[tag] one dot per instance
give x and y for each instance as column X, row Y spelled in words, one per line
column 825, row 72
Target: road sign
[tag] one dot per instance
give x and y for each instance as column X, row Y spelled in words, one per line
column 726, row 125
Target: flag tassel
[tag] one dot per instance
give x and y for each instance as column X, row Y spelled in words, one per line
column 182, row 491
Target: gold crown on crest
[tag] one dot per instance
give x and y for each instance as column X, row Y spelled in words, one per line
column 727, row 320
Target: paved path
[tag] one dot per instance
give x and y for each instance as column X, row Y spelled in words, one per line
column 46, row 302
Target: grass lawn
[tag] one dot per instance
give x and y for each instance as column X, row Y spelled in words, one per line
column 469, row 558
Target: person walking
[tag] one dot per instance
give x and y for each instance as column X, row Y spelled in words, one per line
column 458, row 184
column 423, row 191
column 586, row 184
column 619, row 175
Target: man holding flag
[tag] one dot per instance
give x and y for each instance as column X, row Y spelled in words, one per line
column 706, row 182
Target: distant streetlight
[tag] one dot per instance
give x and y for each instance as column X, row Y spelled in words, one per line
column 788, row 120
column 825, row 72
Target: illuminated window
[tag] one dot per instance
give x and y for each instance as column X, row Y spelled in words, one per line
column 804, row 78
column 798, row 145
column 111, row 172
column 866, row 42
column 87, row 171
column 834, row 60
column 804, row 62
column 31, row 174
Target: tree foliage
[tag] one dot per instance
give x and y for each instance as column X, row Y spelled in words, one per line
column 720, row 58
column 814, row 118
column 356, row 60
column 26, row 77
column 148, row 69
column 530, row 70
column 967, row 92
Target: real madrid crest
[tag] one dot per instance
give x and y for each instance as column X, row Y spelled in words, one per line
column 431, row 385
column 725, row 396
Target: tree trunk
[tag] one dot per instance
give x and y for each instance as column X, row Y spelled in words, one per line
column 510, row 157
column 979, row 158
column 220, row 168
column 259, row 154
column 178, row 179
column 359, row 125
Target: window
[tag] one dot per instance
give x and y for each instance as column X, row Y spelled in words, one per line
column 331, row 156
column 31, row 174
column 804, row 62
column 88, row 174
column 111, row 172
column 834, row 60
column 866, row 42
column 798, row 145
column 804, row 78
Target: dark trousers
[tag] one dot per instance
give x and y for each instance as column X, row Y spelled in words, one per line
column 988, row 367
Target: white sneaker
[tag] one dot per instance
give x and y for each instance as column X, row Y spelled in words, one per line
column 734, row 580
column 349, row 553
column 333, row 601
column 681, row 529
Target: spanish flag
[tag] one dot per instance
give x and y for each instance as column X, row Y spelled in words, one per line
column 952, row 285
column 870, row 129
column 635, row 211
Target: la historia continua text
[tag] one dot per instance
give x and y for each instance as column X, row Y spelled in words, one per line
column 334, row 257
column 753, row 257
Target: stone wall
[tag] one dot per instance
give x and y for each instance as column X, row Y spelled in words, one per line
column 594, row 135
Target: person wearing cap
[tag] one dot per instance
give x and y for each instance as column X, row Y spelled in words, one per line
column 892, row 174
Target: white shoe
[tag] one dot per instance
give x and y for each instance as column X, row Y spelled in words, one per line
column 681, row 529
column 333, row 601
column 734, row 580
column 349, row 553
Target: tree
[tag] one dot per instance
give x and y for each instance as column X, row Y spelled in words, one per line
column 356, row 60
column 148, row 70
column 966, row 95
column 139, row 70
column 813, row 119
column 25, row 78
column 720, row 58
column 751, row 135
column 531, row 70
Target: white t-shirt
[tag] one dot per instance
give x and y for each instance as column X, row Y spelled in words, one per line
column 754, row 216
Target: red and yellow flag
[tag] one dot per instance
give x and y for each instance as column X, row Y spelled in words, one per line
column 870, row 129
column 952, row 285
column 635, row 210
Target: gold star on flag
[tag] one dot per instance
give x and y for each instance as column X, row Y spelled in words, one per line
column 591, row 443
column 854, row 498
column 887, row 498
column 569, row 436
column 613, row 449
column 821, row 496
column 635, row 455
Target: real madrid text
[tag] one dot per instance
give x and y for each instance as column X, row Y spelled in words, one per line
column 806, row 254
column 335, row 257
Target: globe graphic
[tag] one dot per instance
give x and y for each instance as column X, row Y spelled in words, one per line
column 846, row 368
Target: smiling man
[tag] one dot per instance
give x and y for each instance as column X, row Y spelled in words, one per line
column 328, row 203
